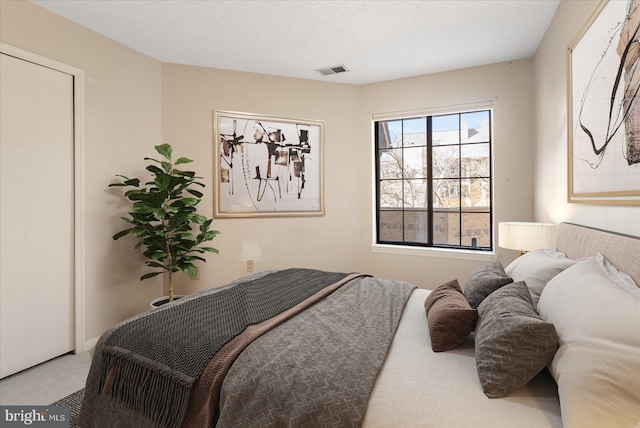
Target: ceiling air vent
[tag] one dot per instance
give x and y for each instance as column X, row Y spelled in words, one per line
column 332, row 70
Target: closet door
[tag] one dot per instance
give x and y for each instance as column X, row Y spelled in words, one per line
column 36, row 223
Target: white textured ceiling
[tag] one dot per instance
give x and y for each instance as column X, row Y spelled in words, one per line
column 375, row 40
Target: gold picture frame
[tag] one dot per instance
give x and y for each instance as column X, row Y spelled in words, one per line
column 603, row 71
column 267, row 166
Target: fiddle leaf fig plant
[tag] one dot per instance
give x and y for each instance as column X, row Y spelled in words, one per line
column 163, row 217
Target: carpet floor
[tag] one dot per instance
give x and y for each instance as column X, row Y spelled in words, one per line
column 73, row 401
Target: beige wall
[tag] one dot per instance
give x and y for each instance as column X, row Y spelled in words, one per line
column 341, row 239
column 134, row 102
column 191, row 94
column 509, row 86
column 551, row 131
column 122, row 121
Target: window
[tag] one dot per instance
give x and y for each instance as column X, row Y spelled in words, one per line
column 433, row 181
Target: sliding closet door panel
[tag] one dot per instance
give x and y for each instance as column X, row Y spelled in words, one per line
column 36, row 192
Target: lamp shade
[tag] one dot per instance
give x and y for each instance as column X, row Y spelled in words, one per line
column 524, row 236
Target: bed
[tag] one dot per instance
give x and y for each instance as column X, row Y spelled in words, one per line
column 362, row 355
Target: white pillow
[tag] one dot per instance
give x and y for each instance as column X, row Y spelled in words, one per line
column 596, row 312
column 536, row 268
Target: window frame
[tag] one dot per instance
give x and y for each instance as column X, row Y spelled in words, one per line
column 459, row 250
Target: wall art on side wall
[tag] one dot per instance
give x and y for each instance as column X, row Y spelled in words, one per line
column 604, row 107
column 267, row 166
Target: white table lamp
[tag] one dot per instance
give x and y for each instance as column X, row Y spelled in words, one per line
column 524, row 236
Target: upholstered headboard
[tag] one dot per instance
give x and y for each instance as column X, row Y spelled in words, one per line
column 623, row 251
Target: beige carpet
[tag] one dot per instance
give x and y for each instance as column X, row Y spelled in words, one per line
column 46, row 383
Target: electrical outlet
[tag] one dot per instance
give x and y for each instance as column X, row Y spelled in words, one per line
column 248, row 264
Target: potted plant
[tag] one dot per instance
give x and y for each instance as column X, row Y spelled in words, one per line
column 163, row 217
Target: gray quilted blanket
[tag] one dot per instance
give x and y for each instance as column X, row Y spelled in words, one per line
column 317, row 369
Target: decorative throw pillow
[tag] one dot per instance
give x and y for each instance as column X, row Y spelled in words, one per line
column 596, row 310
column 536, row 268
column 513, row 344
column 484, row 281
column 451, row 319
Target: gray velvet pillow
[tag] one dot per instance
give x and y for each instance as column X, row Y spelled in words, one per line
column 513, row 344
column 484, row 281
column 449, row 315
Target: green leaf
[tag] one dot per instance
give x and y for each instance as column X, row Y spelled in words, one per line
column 137, row 231
column 211, row 250
column 189, row 174
column 159, row 213
column 156, row 199
column 167, row 166
column 154, row 169
column 134, row 195
column 195, row 193
column 183, row 160
column 210, row 234
column 154, row 264
column 165, row 150
column 198, row 219
column 163, row 181
column 122, row 233
column 154, row 253
column 205, row 226
column 149, row 275
column 135, row 192
column 139, row 207
column 158, row 256
column 190, row 201
column 190, row 270
column 141, row 218
column 152, row 159
column 126, row 182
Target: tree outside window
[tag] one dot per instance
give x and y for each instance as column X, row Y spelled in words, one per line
column 434, row 180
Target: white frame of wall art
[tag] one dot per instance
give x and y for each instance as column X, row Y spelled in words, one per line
column 603, row 68
column 267, row 166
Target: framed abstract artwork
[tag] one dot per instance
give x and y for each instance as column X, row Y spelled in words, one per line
column 267, row 166
column 604, row 107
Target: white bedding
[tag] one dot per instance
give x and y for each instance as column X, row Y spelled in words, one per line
column 420, row 388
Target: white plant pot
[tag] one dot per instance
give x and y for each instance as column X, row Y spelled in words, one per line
column 156, row 303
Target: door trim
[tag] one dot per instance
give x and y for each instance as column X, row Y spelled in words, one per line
column 78, row 187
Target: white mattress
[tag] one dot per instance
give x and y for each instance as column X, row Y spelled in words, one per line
column 420, row 388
